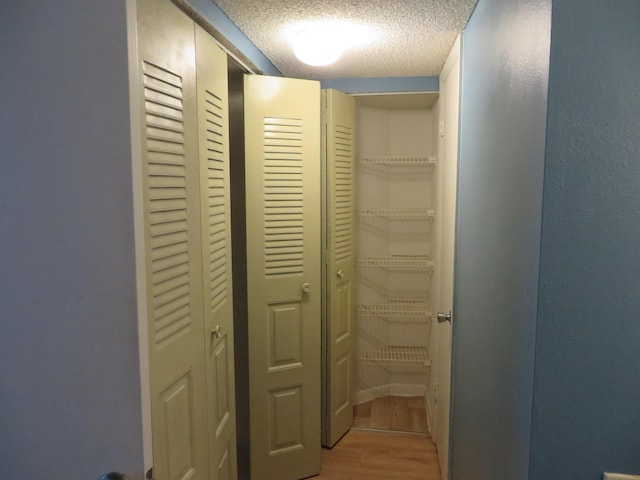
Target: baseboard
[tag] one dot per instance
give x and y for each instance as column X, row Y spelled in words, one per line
column 396, row 389
column 429, row 407
column 364, row 396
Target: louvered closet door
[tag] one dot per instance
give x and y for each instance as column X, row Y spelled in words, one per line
column 213, row 134
column 339, row 125
column 172, row 241
column 282, row 131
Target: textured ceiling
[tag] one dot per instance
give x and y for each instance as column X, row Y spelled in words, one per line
column 409, row 38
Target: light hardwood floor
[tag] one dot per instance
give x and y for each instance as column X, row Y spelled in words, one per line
column 403, row 414
column 369, row 455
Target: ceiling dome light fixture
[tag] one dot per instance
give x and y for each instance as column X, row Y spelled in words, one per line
column 318, row 45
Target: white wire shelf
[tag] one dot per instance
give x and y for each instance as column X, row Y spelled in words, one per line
column 409, row 263
column 422, row 214
column 401, row 311
column 399, row 161
column 397, row 355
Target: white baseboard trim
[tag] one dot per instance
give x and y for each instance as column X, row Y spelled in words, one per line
column 396, row 389
column 364, row 396
column 430, row 409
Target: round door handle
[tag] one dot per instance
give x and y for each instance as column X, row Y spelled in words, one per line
column 340, row 273
column 306, row 287
column 444, row 317
column 113, row 476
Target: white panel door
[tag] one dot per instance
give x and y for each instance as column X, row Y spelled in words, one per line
column 338, row 156
column 172, row 242
column 282, row 151
column 213, row 141
column 449, row 100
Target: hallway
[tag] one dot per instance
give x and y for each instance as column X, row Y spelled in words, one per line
column 369, row 455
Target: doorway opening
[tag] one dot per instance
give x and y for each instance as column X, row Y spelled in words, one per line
column 396, row 152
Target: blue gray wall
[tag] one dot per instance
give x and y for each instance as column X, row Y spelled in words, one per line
column 382, row 84
column 502, row 140
column 587, row 388
column 69, row 381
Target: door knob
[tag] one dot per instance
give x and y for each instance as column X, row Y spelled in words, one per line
column 340, row 273
column 216, row 332
column 113, row 476
column 444, row 317
column 306, row 287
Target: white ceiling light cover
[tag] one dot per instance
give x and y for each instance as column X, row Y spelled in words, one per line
column 322, row 43
column 317, row 46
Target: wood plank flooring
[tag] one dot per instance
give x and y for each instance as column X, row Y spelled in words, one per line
column 370, row 455
column 403, row 414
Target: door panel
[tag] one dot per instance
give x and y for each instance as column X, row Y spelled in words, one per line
column 172, row 241
column 339, row 126
column 449, row 98
column 285, row 414
column 282, row 130
column 285, row 340
column 213, row 135
column 179, row 423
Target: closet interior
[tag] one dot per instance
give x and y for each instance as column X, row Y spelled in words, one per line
column 396, row 147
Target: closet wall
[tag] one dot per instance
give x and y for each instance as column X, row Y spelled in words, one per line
column 395, row 195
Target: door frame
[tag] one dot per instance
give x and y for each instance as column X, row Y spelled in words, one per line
column 445, row 358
